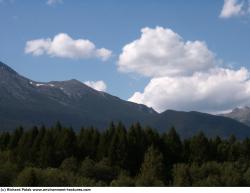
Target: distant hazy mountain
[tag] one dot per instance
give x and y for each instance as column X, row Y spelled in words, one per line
column 240, row 114
column 27, row 102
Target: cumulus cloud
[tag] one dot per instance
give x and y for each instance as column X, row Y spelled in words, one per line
column 54, row 2
column 232, row 8
column 215, row 91
column 97, row 85
column 185, row 75
column 162, row 52
column 62, row 45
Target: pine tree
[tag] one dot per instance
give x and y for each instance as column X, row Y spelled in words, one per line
column 152, row 137
column 65, row 145
column 214, row 144
column 14, row 139
column 199, row 148
column 25, row 145
column 46, row 154
column 118, row 151
column 105, row 142
column 35, row 149
column 88, row 142
column 4, row 140
column 245, row 153
column 173, row 149
column 152, row 169
column 136, row 148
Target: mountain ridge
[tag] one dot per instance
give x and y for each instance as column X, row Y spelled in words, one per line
column 27, row 102
column 241, row 114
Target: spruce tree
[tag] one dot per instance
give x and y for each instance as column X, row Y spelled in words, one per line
column 118, row 150
column 173, row 149
column 136, row 148
column 152, row 169
column 199, row 148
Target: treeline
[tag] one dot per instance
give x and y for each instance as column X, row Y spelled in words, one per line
column 120, row 156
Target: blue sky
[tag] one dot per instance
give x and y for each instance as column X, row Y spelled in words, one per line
column 112, row 24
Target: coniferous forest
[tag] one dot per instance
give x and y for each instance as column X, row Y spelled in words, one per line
column 120, row 156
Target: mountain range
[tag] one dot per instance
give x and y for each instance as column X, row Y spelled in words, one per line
column 26, row 102
column 240, row 114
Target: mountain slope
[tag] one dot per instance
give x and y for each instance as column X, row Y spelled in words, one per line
column 188, row 123
column 27, row 102
column 240, row 114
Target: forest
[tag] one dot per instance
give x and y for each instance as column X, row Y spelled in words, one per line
column 119, row 156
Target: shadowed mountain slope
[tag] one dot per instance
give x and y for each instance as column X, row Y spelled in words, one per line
column 26, row 102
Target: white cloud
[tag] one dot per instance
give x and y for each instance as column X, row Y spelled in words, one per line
column 54, row 2
column 103, row 53
column 97, row 85
column 37, row 47
column 233, row 8
column 184, row 75
column 162, row 52
column 214, row 91
column 62, row 45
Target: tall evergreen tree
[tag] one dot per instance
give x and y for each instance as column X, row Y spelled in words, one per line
column 4, row 140
column 65, row 145
column 152, row 169
column 118, row 150
column 173, row 149
column 136, row 148
column 46, row 154
column 105, row 141
column 14, row 139
column 25, row 145
column 199, row 148
column 35, row 149
column 88, row 142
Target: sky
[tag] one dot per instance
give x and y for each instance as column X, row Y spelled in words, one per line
column 166, row 54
